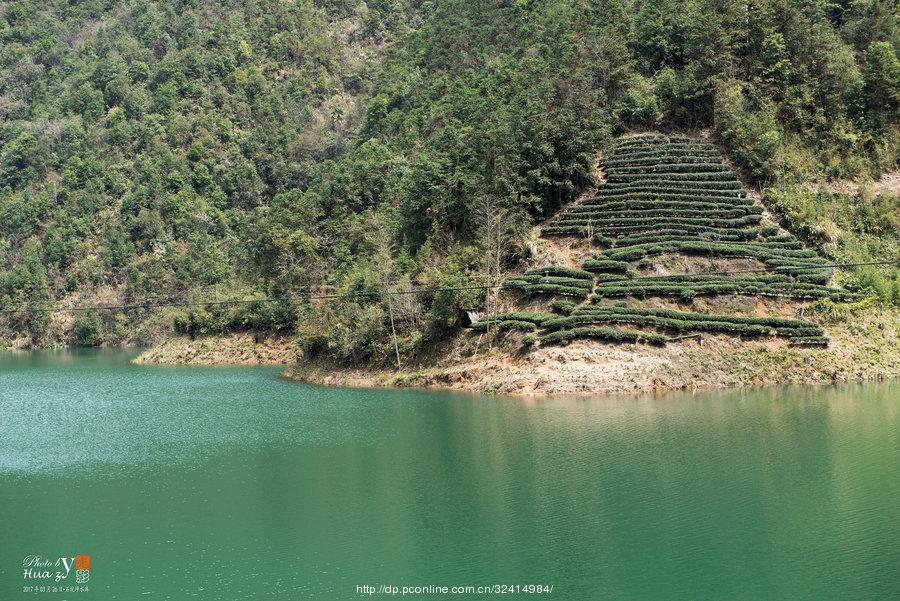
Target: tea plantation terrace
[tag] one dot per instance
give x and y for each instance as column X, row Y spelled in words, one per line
column 668, row 195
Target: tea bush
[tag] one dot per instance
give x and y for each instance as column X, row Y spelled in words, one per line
column 605, row 266
column 605, row 334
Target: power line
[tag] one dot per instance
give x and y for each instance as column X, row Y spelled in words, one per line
column 271, row 299
column 312, row 295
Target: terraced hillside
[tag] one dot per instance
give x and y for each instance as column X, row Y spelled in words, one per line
column 663, row 196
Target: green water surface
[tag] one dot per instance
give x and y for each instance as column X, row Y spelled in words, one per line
column 230, row 483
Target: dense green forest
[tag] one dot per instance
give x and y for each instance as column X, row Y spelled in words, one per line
column 194, row 150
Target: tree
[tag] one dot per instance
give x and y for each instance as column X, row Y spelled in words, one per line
column 88, row 329
column 882, row 77
column 497, row 232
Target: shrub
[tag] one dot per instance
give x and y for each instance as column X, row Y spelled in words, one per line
column 781, row 238
column 532, row 283
column 675, row 234
column 670, row 146
column 563, row 322
column 527, row 279
column 658, row 144
column 599, row 215
column 654, row 159
column 720, row 289
column 800, row 262
column 831, row 312
column 200, row 321
column 683, row 321
column 669, row 168
column 562, row 306
column 607, row 194
column 687, row 295
column 639, row 183
column 605, row 266
column 558, row 270
column 556, row 289
column 533, row 278
column 605, row 334
column 728, row 327
column 88, row 330
column 638, row 202
column 534, row 319
column 772, row 322
column 640, row 139
column 726, row 176
column 662, row 219
column 710, row 285
column 515, row 324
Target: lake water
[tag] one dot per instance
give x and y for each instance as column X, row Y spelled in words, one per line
column 230, row 483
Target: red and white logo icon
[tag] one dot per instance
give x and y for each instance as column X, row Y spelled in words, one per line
column 82, row 568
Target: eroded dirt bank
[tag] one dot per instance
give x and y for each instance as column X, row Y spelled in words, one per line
column 234, row 349
column 864, row 349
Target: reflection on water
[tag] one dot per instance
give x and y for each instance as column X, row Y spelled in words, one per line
column 227, row 483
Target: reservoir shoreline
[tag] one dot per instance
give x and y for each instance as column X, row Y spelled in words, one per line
column 861, row 350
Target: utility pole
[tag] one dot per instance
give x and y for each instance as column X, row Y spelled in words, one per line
column 394, row 331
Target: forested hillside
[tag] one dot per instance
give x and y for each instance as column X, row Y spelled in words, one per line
column 194, row 150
